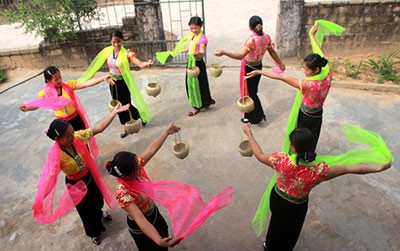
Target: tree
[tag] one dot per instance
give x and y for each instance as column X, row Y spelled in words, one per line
column 54, row 20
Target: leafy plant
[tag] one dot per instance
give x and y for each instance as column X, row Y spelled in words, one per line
column 385, row 68
column 54, row 20
column 351, row 70
column 3, row 75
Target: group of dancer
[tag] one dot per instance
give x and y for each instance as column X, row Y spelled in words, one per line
column 297, row 168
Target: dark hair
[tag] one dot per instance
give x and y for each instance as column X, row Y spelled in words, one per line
column 195, row 20
column 314, row 61
column 255, row 24
column 123, row 164
column 49, row 71
column 303, row 142
column 116, row 33
column 57, row 129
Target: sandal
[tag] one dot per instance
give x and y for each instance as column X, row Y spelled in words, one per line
column 193, row 113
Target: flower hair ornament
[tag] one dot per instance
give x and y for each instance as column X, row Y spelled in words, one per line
column 110, row 166
column 258, row 27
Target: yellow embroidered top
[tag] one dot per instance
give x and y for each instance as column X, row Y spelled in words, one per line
column 67, row 164
column 66, row 110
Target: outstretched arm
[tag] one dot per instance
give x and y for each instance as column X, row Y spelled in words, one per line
column 148, row 229
column 158, row 142
column 26, row 108
column 99, row 128
column 287, row 79
column 141, row 64
column 233, row 55
column 336, row 171
column 93, row 81
column 262, row 157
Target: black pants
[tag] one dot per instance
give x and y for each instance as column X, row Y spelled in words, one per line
column 286, row 222
column 143, row 242
column 77, row 123
column 257, row 114
column 203, row 85
column 311, row 121
column 90, row 208
column 120, row 92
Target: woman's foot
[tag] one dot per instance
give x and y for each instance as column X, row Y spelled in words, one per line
column 212, row 102
column 96, row 240
column 193, row 112
column 106, row 216
column 124, row 133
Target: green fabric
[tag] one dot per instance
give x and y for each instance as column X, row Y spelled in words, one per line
column 378, row 152
column 123, row 65
column 162, row 56
column 324, row 28
column 193, row 83
column 193, row 86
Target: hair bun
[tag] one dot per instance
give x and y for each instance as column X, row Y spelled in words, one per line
column 309, row 156
column 324, row 61
column 109, row 166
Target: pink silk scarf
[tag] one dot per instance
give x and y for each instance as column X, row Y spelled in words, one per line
column 183, row 202
column 72, row 194
column 53, row 102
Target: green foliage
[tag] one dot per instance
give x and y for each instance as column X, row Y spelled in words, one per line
column 3, row 75
column 384, row 67
column 351, row 70
column 54, row 20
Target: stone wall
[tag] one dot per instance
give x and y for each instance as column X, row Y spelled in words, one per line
column 372, row 27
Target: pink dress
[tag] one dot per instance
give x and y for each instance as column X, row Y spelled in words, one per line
column 316, row 92
column 257, row 46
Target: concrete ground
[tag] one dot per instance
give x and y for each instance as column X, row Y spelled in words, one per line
column 349, row 213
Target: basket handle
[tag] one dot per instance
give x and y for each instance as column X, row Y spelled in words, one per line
column 177, row 137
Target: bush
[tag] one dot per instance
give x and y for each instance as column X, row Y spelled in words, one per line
column 3, row 75
column 384, row 67
column 54, row 20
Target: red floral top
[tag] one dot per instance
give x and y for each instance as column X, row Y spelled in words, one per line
column 297, row 180
column 125, row 196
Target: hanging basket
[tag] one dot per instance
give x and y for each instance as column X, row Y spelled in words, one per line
column 245, row 104
column 132, row 126
column 112, row 104
column 245, row 149
column 180, row 149
column 153, row 89
column 193, row 72
column 215, row 70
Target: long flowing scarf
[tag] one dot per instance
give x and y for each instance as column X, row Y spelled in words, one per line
column 193, row 83
column 43, row 205
column 378, row 146
column 52, row 101
column 162, row 56
column 123, row 65
column 183, row 202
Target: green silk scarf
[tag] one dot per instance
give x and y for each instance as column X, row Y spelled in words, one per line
column 123, row 65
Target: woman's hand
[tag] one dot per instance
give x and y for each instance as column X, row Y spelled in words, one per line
column 219, row 53
column 282, row 66
column 252, row 74
column 171, row 128
column 169, row 242
column 23, row 107
column 150, row 63
column 120, row 108
column 385, row 166
column 109, row 79
column 247, row 129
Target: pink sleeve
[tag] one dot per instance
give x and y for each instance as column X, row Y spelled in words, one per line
column 203, row 40
column 269, row 41
column 249, row 44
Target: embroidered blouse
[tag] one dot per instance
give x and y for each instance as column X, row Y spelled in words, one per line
column 316, row 92
column 297, row 180
column 68, row 109
column 257, row 46
column 125, row 196
column 113, row 62
column 67, row 164
column 202, row 40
